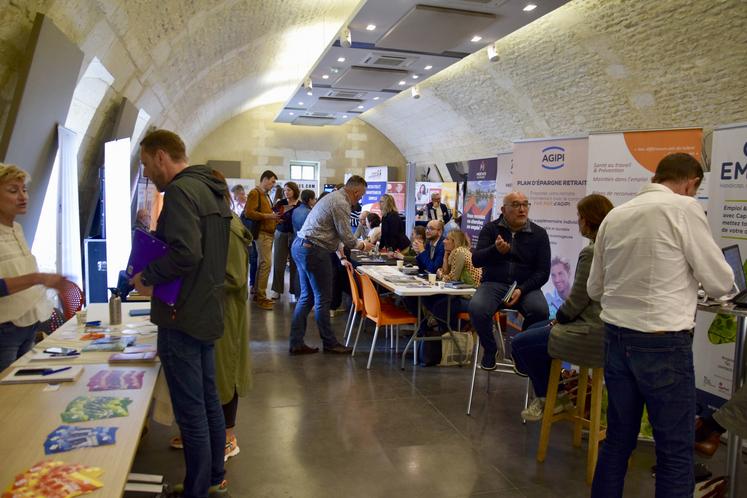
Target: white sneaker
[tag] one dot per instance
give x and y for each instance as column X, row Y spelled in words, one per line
column 273, row 295
column 536, row 409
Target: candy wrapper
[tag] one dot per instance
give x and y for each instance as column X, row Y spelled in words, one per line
column 85, row 408
column 109, row 380
column 55, row 479
column 70, row 437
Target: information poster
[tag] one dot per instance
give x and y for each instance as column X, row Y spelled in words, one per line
column 713, row 343
column 552, row 174
column 424, row 190
column 376, row 177
column 479, row 199
column 397, row 190
column 621, row 163
column 504, row 183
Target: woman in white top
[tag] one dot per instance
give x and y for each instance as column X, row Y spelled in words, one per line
column 23, row 301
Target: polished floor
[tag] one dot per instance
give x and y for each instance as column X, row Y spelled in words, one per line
column 324, row 426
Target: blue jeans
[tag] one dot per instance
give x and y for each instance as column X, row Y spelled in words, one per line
column 655, row 370
column 315, row 276
column 529, row 350
column 437, row 305
column 189, row 367
column 487, row 300
column 253, row 263
column 15, row 342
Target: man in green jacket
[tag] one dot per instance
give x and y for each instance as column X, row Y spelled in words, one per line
column 195, row 223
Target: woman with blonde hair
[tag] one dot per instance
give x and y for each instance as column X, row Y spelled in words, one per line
column 392, row 227
column 23, row 301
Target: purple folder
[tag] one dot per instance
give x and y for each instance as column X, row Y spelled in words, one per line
column 145, row 249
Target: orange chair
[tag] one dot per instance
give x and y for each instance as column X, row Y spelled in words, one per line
column 72, row 299
column 356, row 307
column 382, row 314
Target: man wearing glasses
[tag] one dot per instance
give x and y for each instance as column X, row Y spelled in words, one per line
column 509, row 249
column 430, row 256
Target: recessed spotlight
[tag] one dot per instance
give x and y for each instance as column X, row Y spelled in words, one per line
column 300, row 103
column 370, row 27
column 292, row 113
column 345, row 116
column 529, row 7
column 415, row 76
column 403, row 82
column 476, row 38
column 428, row 67
column 325, row 76
column 376, row 98
column 360, row 107
column 309, row 93
column 341, row 59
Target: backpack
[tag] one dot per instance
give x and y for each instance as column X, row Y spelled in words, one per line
column 252, row 225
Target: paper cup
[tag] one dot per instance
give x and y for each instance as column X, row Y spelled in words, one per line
column 82, row 317
column 431, row 278
column 400, row 264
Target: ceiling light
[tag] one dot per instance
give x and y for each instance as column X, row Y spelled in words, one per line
column 403, row 82
column 300, row 103
column 428, row 67
column 341, row 59
column 292, row 113
column 415, row 76
column 476, row 38
column 492, row 53
column 376, row 98
column 370, row 27
column 346, row 40
column 360, row 107
column 345, row 116
column 325, row 76
column 529, row 7
column 309, row 93
column 334, row 70
column 415, row 92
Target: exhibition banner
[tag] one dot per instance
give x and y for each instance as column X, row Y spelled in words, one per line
column 552, row 174
column 713, row 343
column 396, row 190
column 376, row 177
column 620, row 164
column 423, row 191
column 479, row 199
column 504, row 180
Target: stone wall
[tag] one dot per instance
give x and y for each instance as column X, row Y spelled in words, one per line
column 259, row 143
column 591, row 65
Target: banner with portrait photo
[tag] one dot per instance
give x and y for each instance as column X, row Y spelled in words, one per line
column 713, row 342
column 424, row 190
column 621, row 163
column 552, row 174
column 479, row 199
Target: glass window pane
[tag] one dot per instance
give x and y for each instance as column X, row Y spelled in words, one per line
column 296, row 172
column 308, row 172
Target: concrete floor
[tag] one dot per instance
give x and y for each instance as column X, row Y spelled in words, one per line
column 324, row 426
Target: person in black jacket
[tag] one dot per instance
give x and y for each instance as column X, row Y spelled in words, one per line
column 435, row 210
column 392, row 227
column 510, row 249
column 195, row 223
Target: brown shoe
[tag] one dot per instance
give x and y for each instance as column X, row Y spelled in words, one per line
column 708, row 446
column 265, row 304
column 303, row 349
column 339, row 349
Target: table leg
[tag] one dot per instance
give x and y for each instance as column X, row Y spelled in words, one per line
column 413, row 339
column 734, row 448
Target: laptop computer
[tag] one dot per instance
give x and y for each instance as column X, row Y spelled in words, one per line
column 734, row 258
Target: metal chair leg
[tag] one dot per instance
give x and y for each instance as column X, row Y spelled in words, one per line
column 474, row 374
column 357, row 335
column 349, row 332
column 373, row 347
column 351, row 313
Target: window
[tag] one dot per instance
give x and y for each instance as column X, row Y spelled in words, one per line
column 303, row 171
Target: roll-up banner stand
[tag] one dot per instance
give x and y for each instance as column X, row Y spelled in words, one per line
column 551, row 172
column 376, row 177
column 713, row 343
column 480, row 197
column 504, row 183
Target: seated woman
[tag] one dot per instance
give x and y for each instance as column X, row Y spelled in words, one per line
column 374, row 227
column 457, row 266
column 577, row 333
column 392, row 227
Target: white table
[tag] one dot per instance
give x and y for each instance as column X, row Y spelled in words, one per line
column 419, row 288
column 734, row 445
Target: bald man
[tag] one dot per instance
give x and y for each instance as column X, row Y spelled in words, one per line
column 509, row 249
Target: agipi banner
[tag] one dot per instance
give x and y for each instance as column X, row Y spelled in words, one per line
column 552, row 174
column 479, row 199
column 713, row 343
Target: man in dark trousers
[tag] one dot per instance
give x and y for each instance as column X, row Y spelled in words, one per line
column 195, row 224
column 509, row 249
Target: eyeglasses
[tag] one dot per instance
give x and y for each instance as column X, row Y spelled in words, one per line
column 430, row 229
column 517, row 205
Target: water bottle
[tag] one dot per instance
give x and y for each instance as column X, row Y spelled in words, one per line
column 115, row 308
column 376, row 249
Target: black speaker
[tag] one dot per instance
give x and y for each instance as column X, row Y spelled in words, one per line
column 95, row 261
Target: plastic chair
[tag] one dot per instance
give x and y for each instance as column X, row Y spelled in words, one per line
column 382, row 314
column 505, row 366
column 72, row 299
column 577, row 416
column 356, row 308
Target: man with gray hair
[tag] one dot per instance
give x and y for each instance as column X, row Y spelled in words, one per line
column 327, row 225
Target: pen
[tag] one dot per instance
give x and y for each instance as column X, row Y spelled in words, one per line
column 93, row 323
column 54, row 371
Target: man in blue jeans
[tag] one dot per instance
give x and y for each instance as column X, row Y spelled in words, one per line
column 326, row 226
column 509, row 249
column 649, row 256
column 195, row 223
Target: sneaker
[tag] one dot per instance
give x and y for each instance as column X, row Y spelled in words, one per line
column 489, row 362
column 176, row 443
column 232, row 449
column 534, row 411
column 265, row 304
column 219, row 489
column 273, row 295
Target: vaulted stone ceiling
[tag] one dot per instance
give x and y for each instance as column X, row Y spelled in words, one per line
column 190, row 65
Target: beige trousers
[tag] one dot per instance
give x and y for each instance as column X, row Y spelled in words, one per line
column 264, row 263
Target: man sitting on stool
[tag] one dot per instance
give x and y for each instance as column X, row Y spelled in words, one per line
column 509, row 249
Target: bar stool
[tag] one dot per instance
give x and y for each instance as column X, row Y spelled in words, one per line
column 505, row 366
column 577, row 415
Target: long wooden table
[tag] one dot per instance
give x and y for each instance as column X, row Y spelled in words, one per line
column 29, row 412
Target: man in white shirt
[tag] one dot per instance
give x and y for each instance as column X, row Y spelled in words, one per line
column 649, row 256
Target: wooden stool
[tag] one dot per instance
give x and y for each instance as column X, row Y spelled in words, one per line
column 577, row 415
